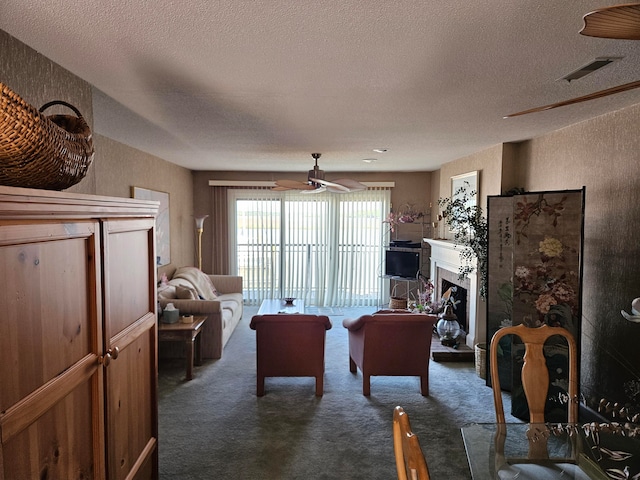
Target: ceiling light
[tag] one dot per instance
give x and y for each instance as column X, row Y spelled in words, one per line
column 369, row 160
column 380, row 150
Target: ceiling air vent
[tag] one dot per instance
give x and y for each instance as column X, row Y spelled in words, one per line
column 597, row 64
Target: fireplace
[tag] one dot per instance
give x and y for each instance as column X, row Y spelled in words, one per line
column 445, row 265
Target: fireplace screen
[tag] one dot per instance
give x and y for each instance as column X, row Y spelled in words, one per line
column 460, row 297
column 535, row 277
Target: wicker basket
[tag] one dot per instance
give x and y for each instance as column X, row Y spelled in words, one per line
column 37, row 151
column 398, row 303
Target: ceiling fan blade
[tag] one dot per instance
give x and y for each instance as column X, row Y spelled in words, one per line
column 352, row 185
column 317, row 183
column 280, row 189
column 294, row 185
column 327, row 183
column 591, row 96
column 315, row 190
column 618, row 21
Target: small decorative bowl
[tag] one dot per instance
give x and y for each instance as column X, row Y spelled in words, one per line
column 289, row 300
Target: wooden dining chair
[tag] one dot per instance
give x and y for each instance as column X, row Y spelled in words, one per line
column 410, row 461
column 535, row 375
column 535, row 382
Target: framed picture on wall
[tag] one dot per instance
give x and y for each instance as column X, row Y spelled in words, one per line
column 460, row 181
column 163, row 230
column 461, row 188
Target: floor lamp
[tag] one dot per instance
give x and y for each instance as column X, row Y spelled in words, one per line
column 199, row 230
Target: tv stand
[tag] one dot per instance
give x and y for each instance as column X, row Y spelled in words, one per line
column 410, row 290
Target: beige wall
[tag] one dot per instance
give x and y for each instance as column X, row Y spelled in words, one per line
column 119, row 167
column 116, row 167
column 489, row 165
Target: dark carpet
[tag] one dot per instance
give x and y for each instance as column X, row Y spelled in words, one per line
column 214, row 426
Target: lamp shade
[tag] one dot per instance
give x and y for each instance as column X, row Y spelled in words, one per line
column 200, row 221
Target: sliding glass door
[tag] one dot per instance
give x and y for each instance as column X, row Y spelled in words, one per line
column 324, row 248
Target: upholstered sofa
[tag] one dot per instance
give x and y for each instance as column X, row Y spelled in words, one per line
column 218, row 296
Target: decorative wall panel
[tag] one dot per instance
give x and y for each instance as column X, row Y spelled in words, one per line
column 535, row 278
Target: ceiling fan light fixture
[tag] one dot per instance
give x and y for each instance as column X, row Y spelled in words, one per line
column 316, row 174
column 316, row 182
column 380, row 150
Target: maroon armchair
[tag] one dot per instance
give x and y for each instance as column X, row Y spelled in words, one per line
column 290, row 345
column 391, row 343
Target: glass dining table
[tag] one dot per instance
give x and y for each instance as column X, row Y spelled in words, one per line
column 592, row 451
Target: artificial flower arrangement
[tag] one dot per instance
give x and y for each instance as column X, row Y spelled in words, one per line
column 406, row 214
column 423, row 301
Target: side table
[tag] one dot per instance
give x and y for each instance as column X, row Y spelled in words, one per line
column 188, row 333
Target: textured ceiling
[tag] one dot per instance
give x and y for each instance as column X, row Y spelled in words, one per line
column 260, row 84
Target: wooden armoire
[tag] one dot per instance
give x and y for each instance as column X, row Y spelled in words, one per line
column 78, row 336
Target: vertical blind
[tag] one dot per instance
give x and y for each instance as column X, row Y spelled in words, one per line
column 324, row 248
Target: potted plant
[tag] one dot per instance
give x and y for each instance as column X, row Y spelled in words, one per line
column 469, row 227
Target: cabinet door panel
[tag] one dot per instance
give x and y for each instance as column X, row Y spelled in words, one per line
column 127, row 276
column 130, row 328
column 49, row 315
column 130, row 387
column 60, row 443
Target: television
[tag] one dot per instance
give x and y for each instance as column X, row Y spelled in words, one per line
column 401, row 264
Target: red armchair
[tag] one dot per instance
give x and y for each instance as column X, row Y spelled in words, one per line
column 290, row 345
column 391, row 343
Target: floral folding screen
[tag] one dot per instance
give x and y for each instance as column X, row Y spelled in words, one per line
column 535, row 277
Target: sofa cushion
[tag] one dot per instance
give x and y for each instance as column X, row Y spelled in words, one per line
column 230, row 300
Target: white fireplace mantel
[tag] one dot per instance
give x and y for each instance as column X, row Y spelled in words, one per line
column 445, row 254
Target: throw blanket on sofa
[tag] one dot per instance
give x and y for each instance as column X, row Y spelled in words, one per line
column 200, row 281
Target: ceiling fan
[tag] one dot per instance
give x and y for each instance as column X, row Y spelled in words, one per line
column 316, row 183
column 620, row 22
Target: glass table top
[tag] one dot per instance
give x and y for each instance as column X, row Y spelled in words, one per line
column 549, row 451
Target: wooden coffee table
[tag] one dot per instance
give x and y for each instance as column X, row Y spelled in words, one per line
column 275, row 306
column 188, row 333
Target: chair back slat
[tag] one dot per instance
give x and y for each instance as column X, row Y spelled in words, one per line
column 535, row 374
